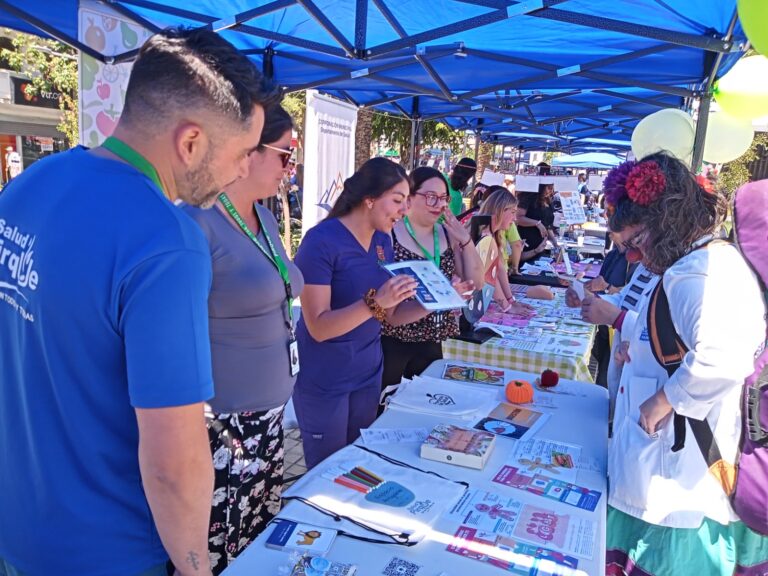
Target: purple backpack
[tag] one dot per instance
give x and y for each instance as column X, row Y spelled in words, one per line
column 747, row 482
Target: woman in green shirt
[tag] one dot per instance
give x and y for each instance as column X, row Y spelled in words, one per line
column 457, row 183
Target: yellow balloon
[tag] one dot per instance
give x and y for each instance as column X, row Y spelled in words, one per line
column 754, row 19
column 727, row 138
column 743, row 92
column 668, row 130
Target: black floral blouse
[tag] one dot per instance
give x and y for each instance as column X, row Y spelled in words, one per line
column 436, row 327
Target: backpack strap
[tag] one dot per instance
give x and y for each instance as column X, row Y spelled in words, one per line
column 669, row 350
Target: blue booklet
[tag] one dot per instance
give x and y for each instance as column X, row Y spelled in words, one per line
column 290, row 535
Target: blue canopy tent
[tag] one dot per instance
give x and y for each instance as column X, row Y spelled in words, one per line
column 571, row 70
column 600, row 160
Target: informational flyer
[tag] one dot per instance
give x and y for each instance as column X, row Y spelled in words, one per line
column 373, row 436
column 512, row 421
column 571, row 534
column 573, row 211
column 434, row 291
column 547, row 487
column 473, row 374
column 549, row 457
column 491, row 512
column 511, row 555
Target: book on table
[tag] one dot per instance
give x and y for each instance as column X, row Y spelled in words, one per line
column 459, row 446
column 290, row 535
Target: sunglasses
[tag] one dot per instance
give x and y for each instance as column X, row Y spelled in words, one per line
column 285, row 155
column 432, row 199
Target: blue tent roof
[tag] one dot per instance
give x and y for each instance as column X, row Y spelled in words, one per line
column 582, row 68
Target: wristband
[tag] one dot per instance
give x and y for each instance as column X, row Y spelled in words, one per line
column 465, row 244
column 376, row 310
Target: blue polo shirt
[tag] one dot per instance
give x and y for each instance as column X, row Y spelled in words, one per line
column 330, row 255
column 103, row 309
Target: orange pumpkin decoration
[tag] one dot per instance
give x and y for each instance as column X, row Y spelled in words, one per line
column 519, row 392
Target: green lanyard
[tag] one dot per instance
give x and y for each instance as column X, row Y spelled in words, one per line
column 122, row 150
column 273, row 255
column 435, row 257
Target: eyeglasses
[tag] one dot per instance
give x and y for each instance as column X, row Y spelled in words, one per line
column 433, row 199
column 637, row 238
column 285, row 155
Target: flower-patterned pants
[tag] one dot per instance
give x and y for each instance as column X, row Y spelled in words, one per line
column 247, row 450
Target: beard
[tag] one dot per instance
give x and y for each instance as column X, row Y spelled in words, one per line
column 199, row 187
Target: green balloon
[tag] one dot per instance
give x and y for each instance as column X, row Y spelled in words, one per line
column 754, row 19
column 743, row 91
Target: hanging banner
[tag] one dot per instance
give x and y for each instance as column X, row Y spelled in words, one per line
column 329, row 154
column 102, row 86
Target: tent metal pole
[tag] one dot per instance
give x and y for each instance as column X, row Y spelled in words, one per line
column 701, row 131
column 361, row 27
column 415, row 119
column 477, row 153
column 706, row 99
column 328, row 26
column 268, row 64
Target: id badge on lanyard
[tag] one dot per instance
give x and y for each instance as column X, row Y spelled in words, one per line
column 293, row 354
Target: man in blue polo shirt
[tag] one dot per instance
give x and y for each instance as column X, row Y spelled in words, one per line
column 105, row 467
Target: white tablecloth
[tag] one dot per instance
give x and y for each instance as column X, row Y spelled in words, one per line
column 580, row 419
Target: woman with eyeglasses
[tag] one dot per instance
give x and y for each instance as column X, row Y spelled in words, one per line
column 410, row 348
column 252, row 337
column 666, row 504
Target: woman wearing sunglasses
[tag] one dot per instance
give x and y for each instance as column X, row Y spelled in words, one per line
column 410, row 348
column 251, row 332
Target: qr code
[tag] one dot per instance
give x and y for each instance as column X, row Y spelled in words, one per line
column 400, row 567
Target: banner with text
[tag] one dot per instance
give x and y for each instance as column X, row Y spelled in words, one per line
column 329, row 154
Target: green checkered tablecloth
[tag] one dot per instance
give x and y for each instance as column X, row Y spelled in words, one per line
column 569, row 367
column 568, row 350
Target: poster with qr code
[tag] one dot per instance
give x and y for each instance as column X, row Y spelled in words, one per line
column 400, row 567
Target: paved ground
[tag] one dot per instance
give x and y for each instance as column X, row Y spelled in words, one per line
column 294, row 456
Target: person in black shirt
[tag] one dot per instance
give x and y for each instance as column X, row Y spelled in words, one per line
column 535, row 221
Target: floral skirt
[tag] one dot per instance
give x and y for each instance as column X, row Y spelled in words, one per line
column 636, row 548
column 247, row 450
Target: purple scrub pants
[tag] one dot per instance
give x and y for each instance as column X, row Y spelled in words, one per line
column 330, row 421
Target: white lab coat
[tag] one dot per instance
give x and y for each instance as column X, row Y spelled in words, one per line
column 719, row 313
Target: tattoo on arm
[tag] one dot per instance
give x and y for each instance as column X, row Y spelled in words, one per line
column 193, row 559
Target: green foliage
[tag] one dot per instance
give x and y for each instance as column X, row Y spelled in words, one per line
column 396, row 130
column 736, row 173
column 51, row 66
column 295, row 104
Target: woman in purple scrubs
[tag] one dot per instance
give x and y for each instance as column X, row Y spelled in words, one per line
column 346, row 297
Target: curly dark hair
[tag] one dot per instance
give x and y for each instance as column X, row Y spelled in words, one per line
column 682, row 214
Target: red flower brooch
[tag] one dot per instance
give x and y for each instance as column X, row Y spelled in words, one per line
column 645, row 183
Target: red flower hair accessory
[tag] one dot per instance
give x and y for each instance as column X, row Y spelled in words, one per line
column 705, row 183
column 645, row 183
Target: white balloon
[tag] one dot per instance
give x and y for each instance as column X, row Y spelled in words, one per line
column 668, row 130
column 727, row 137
